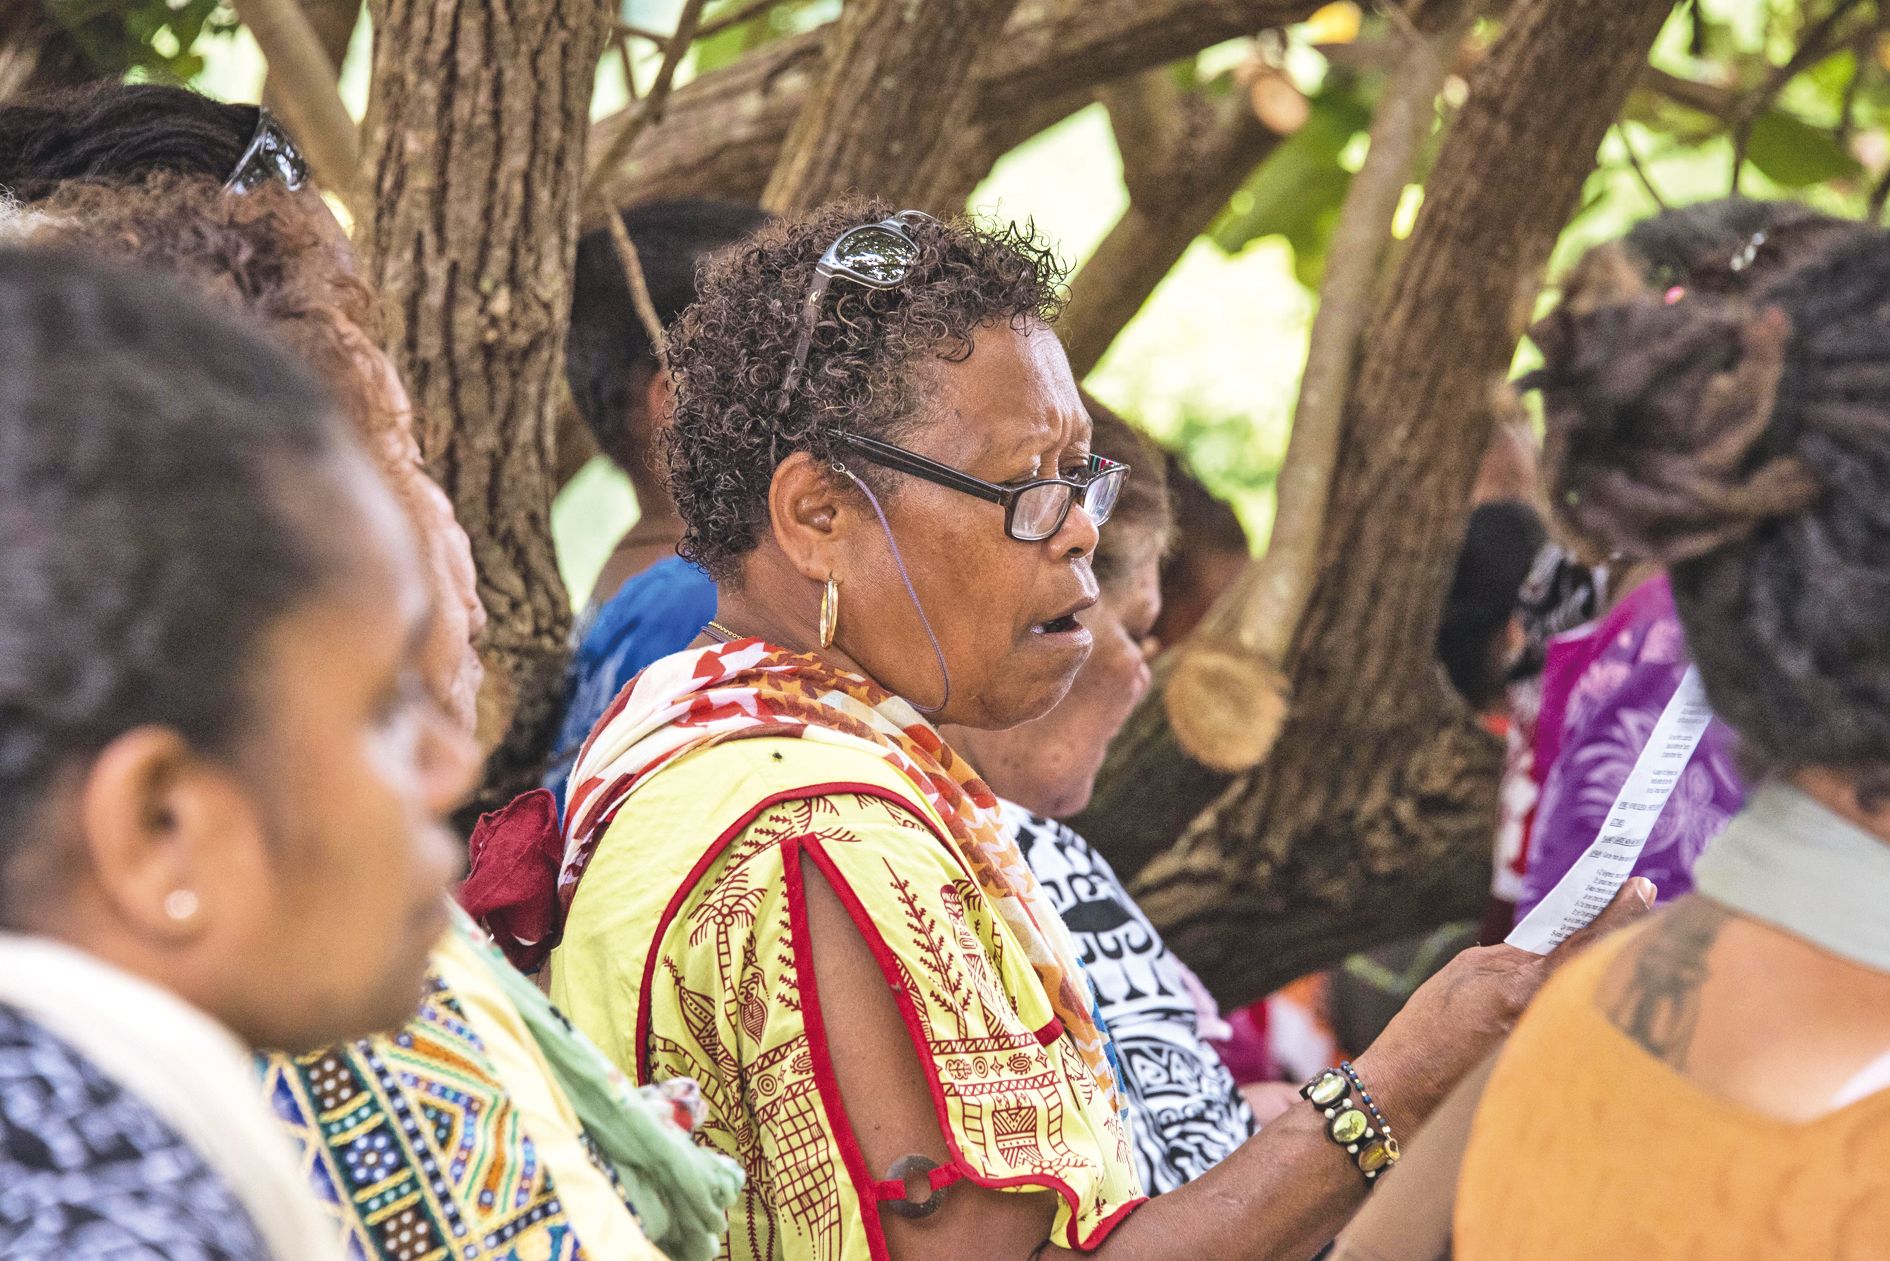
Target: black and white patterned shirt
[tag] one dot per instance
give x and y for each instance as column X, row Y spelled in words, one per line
column 1185, row 1113
column 88, row 1172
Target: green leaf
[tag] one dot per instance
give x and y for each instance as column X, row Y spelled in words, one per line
column 1296, row 193
column 1795, row 154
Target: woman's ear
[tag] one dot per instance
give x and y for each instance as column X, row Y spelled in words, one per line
column 658, row 396
column 152, row 817
column 809, row 515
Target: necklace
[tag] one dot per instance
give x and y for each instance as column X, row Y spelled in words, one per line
column 720, row 633
column 1793, row 863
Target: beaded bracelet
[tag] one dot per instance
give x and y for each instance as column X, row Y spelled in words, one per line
column 1362, row 1131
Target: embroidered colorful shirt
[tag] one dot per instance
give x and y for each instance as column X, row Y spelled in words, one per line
column 686, row 952
column 1185, row 1113
column 450, row 1141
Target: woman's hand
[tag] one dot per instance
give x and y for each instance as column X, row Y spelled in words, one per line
column 1455, row 1019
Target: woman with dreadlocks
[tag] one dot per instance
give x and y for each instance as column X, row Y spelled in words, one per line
column 1712, row 1083
column 1605, row 684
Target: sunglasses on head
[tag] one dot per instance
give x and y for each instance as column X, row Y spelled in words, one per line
column 271, row 155
column 877, row 255
column 880, row 256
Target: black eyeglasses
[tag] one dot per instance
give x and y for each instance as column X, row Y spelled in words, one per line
column 877, row 255
column 271, row 155
column 1034, row 510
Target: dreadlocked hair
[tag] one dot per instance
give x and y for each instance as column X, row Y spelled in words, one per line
column 1742, row 440
column 730, row 352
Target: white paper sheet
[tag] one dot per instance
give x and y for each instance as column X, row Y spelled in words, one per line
column 1587, row 888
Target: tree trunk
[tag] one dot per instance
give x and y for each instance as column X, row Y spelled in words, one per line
column 1183, row 156
column 723, row 133
column 1373, row 816
column 475, row 148
column 37, row 54
column 897, row 83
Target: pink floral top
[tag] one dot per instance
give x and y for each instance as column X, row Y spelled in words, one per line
column 1603, row 688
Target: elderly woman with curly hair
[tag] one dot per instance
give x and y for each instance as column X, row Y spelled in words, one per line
column 777, row 878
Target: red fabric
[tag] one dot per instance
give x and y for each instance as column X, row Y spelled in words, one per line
column 1247, row 1054
column 513, row 889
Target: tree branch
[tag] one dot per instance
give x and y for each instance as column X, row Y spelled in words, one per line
column 649, row 109
column 1640, row 172
column 1227, row 699
column 639, row 285
column 746, row 13
column 897, row 83
column 304, row 76
column 334, row 22
column 1183, row 156
column 723, row 132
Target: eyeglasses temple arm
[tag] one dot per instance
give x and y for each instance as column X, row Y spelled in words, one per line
column 931, row 470
column 810, row 316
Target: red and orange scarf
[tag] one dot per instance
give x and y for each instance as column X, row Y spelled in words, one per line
column 743, row 689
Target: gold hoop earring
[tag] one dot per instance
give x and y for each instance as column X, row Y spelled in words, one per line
column 829, row 611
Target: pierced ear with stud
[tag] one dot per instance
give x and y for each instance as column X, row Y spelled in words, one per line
column 829, row 611
column 180, row 906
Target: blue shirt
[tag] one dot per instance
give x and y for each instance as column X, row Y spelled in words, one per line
column 655, row 613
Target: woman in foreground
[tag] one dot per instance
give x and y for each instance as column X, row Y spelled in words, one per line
column 571, row 1163
column 1713, row 1083
column 224, row 800
column 781, row 881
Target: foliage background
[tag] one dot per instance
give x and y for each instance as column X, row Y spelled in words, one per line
column 1211, row 364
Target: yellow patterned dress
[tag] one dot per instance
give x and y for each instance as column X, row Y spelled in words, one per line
column 686, row 952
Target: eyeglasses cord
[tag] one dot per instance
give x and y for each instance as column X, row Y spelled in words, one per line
column 906, row 578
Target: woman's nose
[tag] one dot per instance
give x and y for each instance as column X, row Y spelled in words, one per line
column 1079, row 534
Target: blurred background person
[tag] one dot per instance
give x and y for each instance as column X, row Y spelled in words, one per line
column 224, row 788
column 568, row 1144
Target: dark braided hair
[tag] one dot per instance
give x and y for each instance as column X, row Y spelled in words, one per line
column 1743, row 441
column 730, row 352
column 118, row 132
column 155, row 459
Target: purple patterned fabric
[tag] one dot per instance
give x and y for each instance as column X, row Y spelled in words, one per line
column 1603, row 690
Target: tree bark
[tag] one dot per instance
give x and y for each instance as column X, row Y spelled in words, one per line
column 37, row 54
column 475, row 147
column 1183, row 156
column 1372, row 817
column 723, row 133
column 897, row 83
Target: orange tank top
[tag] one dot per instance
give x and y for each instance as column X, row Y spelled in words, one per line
column 1587, row 1148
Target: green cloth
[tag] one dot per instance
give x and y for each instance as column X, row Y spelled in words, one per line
column 682, row 1192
